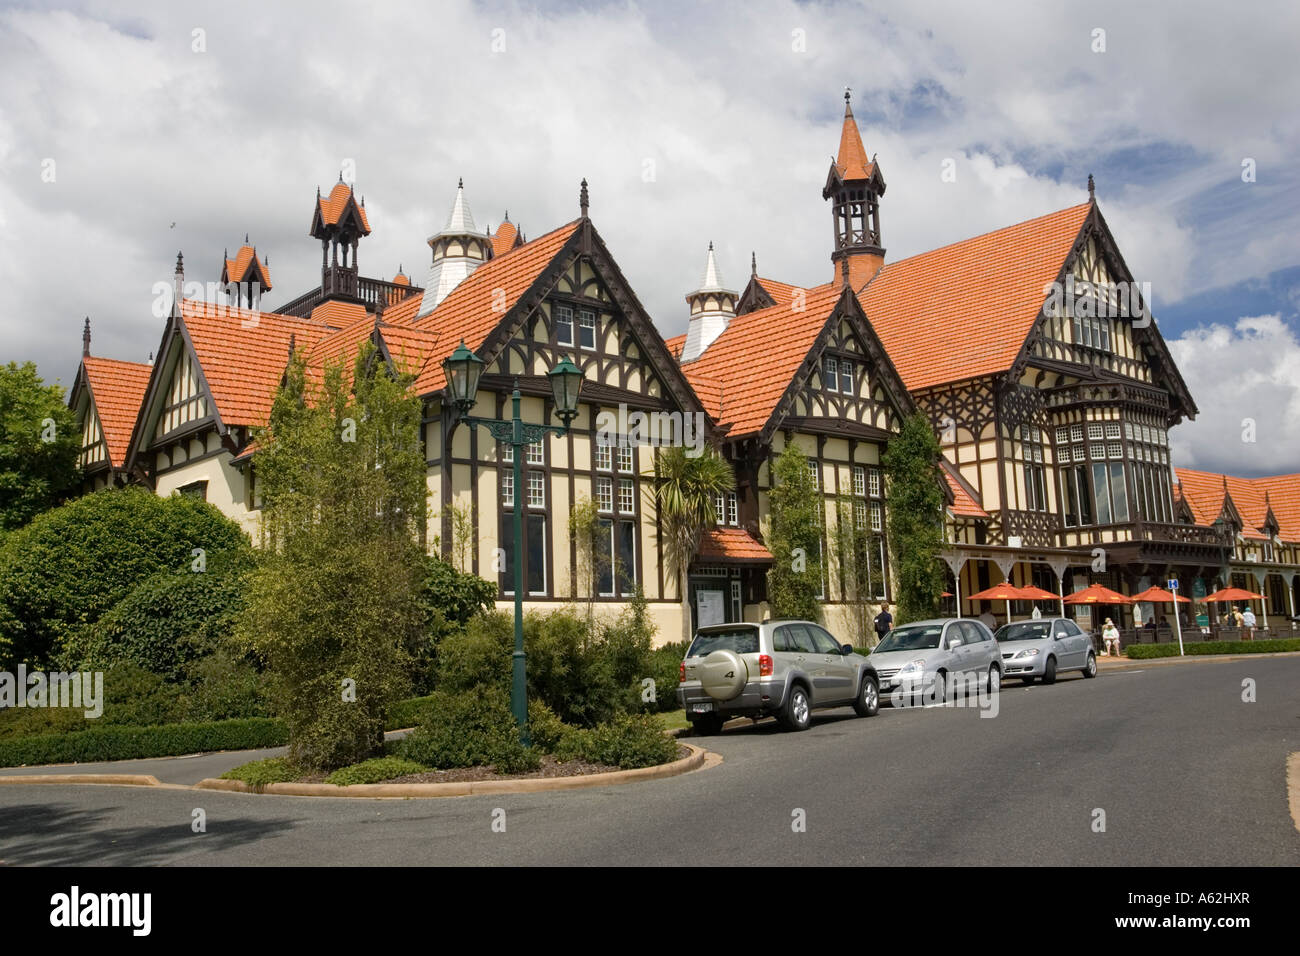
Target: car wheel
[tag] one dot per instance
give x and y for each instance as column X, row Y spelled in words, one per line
column 1090, row 670
column 868, row 702
column 940, row 688
column 1049, row 671
column 995, row 679
column 797, row 713
column 708, row 725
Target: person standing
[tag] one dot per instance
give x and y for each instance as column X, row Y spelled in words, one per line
column 1248, row 620
column 1110, row 639
column 884, row 622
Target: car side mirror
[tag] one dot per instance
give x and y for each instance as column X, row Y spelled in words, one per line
column 846, row 649
column 1061, row 635
column 954, row 643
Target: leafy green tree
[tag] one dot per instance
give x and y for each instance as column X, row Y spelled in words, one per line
column 68, row 567
column 794, row 538
column 39, row 445
column 687, row 489
column 335, row 607
column 450, row 599
column 914, row 518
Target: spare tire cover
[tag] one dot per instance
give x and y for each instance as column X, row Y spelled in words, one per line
column 723, row 675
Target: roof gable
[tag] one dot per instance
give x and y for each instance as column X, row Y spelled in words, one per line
column 114, row 391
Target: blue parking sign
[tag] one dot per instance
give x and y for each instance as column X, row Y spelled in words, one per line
column 1173, row 584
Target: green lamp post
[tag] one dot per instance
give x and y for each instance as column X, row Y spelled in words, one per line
column 463, row 369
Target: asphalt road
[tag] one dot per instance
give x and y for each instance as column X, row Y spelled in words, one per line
column 1185, row 772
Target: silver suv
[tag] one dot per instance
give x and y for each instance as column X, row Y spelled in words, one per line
column 779, row 668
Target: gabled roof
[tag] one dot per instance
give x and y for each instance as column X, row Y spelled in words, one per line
column 333, row 207
column 965, row 310
column 242, row 355
column 965, row 503
column 407, row 347
column 246, row 260
column 732, row 546
column 480, row 302
column 506, row 238
column 116, row 389
column 1252, row 499
column 755, row 358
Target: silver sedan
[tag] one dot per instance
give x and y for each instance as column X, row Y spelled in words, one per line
column 1042, row 649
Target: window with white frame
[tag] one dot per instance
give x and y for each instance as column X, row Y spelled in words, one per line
column 877, row 516
column 604, row 457
column 814, row 469
column 508, row 488
column 719, row 509
column 626, row 496
column 564, row 324
column 625, row 458
column 587, row 329
column 831, row 373
column 732, row 509
column 604, row 494
column 536, row 453
column 860, row 481
column 846, row 376
column 873, row 482
column 536, row 489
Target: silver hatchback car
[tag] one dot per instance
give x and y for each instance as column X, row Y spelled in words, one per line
column 928, row 657
column 779, row 668
column 1044, row 648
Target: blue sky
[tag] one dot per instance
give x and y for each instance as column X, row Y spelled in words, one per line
column 186, row 126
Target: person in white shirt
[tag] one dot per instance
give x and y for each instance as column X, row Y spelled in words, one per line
column 1110, row 639
column 1248, row 619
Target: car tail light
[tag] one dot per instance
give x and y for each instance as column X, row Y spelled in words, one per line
column 764, row 665
column 681, row 673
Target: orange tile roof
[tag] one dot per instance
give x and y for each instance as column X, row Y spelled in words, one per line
column 851, row 161
column 675, row 345
column 243, row 354
column 477, row 306
column 410, row 348
column 237, row 268
column 965, row 310
column 782, row 293
column 332, row 207
column 965, row 500
column 117, row 389
column 1252, row 497
column 751, row 364
column 731, row 545
column 504, row 240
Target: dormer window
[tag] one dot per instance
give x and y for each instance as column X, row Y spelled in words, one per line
column 832, row 375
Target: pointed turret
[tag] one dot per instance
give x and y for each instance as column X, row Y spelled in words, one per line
column 713, row 306
column 458, row 249
column 855, row 185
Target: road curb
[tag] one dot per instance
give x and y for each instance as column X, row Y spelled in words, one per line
column 1113, row 664
column 692, row 761
column 108, row 779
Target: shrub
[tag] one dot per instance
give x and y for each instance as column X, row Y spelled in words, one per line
column 545, row 729
column 469, row 729
column 374, row 770
column 223, row 685
column 170, row 620
column 258, row 773
column 1273, row 646
column 408, row 713
column 627, row 742
column 450, row 599
column 135, row 743
column 71, row 565
column 665, row 668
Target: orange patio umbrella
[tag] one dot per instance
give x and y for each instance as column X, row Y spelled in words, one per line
column 1232, row 594
column 1097, row 594
column 1160, row 596
column 999, row 592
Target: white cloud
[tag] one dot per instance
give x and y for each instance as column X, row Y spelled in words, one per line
column 1244, row 378
column 740, row 126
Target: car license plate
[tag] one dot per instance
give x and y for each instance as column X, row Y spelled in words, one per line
column 701, row 708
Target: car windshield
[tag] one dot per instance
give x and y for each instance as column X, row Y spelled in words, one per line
column 922, row 637
column 742, row 640
column 1025, row 631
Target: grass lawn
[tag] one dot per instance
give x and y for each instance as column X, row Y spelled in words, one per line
column 673, row 720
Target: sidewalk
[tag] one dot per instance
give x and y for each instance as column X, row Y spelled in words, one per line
column 1121, row 663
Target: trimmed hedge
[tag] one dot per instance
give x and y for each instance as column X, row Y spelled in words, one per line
column 374, row 770
column 627, row 742
column 408, row 713
column 1142, row 652
column 258, row 773
column 134, row 743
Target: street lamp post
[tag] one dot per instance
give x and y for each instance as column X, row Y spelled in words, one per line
column 463, row 369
